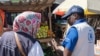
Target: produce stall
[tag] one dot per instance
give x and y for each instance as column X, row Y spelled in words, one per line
column 93, row 18
column 14, row 7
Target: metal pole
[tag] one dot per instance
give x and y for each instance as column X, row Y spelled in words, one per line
column 50, row 21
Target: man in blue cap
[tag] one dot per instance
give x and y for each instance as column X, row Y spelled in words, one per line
column 79, row 39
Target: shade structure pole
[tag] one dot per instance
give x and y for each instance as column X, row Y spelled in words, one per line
column 50, row 21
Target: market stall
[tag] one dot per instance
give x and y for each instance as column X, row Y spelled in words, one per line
column 93, row 18
column 14, row 7
column 92, row 15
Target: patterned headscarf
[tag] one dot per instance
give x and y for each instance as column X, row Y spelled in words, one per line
column 27, row 22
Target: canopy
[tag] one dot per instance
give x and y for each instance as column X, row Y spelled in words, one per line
column 65, row 6
column 94, row 6
column 23, row 5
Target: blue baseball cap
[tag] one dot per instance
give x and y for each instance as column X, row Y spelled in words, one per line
column 73, row 9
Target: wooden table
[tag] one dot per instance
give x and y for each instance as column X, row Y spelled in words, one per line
column 44, row 40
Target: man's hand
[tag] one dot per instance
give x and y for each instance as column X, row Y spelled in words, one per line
column 67, row 52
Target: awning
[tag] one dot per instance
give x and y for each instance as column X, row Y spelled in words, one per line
column 94, row 6
column 65, row 5
column 21, row 5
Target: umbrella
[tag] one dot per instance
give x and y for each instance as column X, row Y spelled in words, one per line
column 67, row 4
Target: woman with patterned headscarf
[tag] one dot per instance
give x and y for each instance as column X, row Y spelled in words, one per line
column 26, row 26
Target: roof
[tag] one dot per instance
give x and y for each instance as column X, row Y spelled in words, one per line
column 22, row 6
